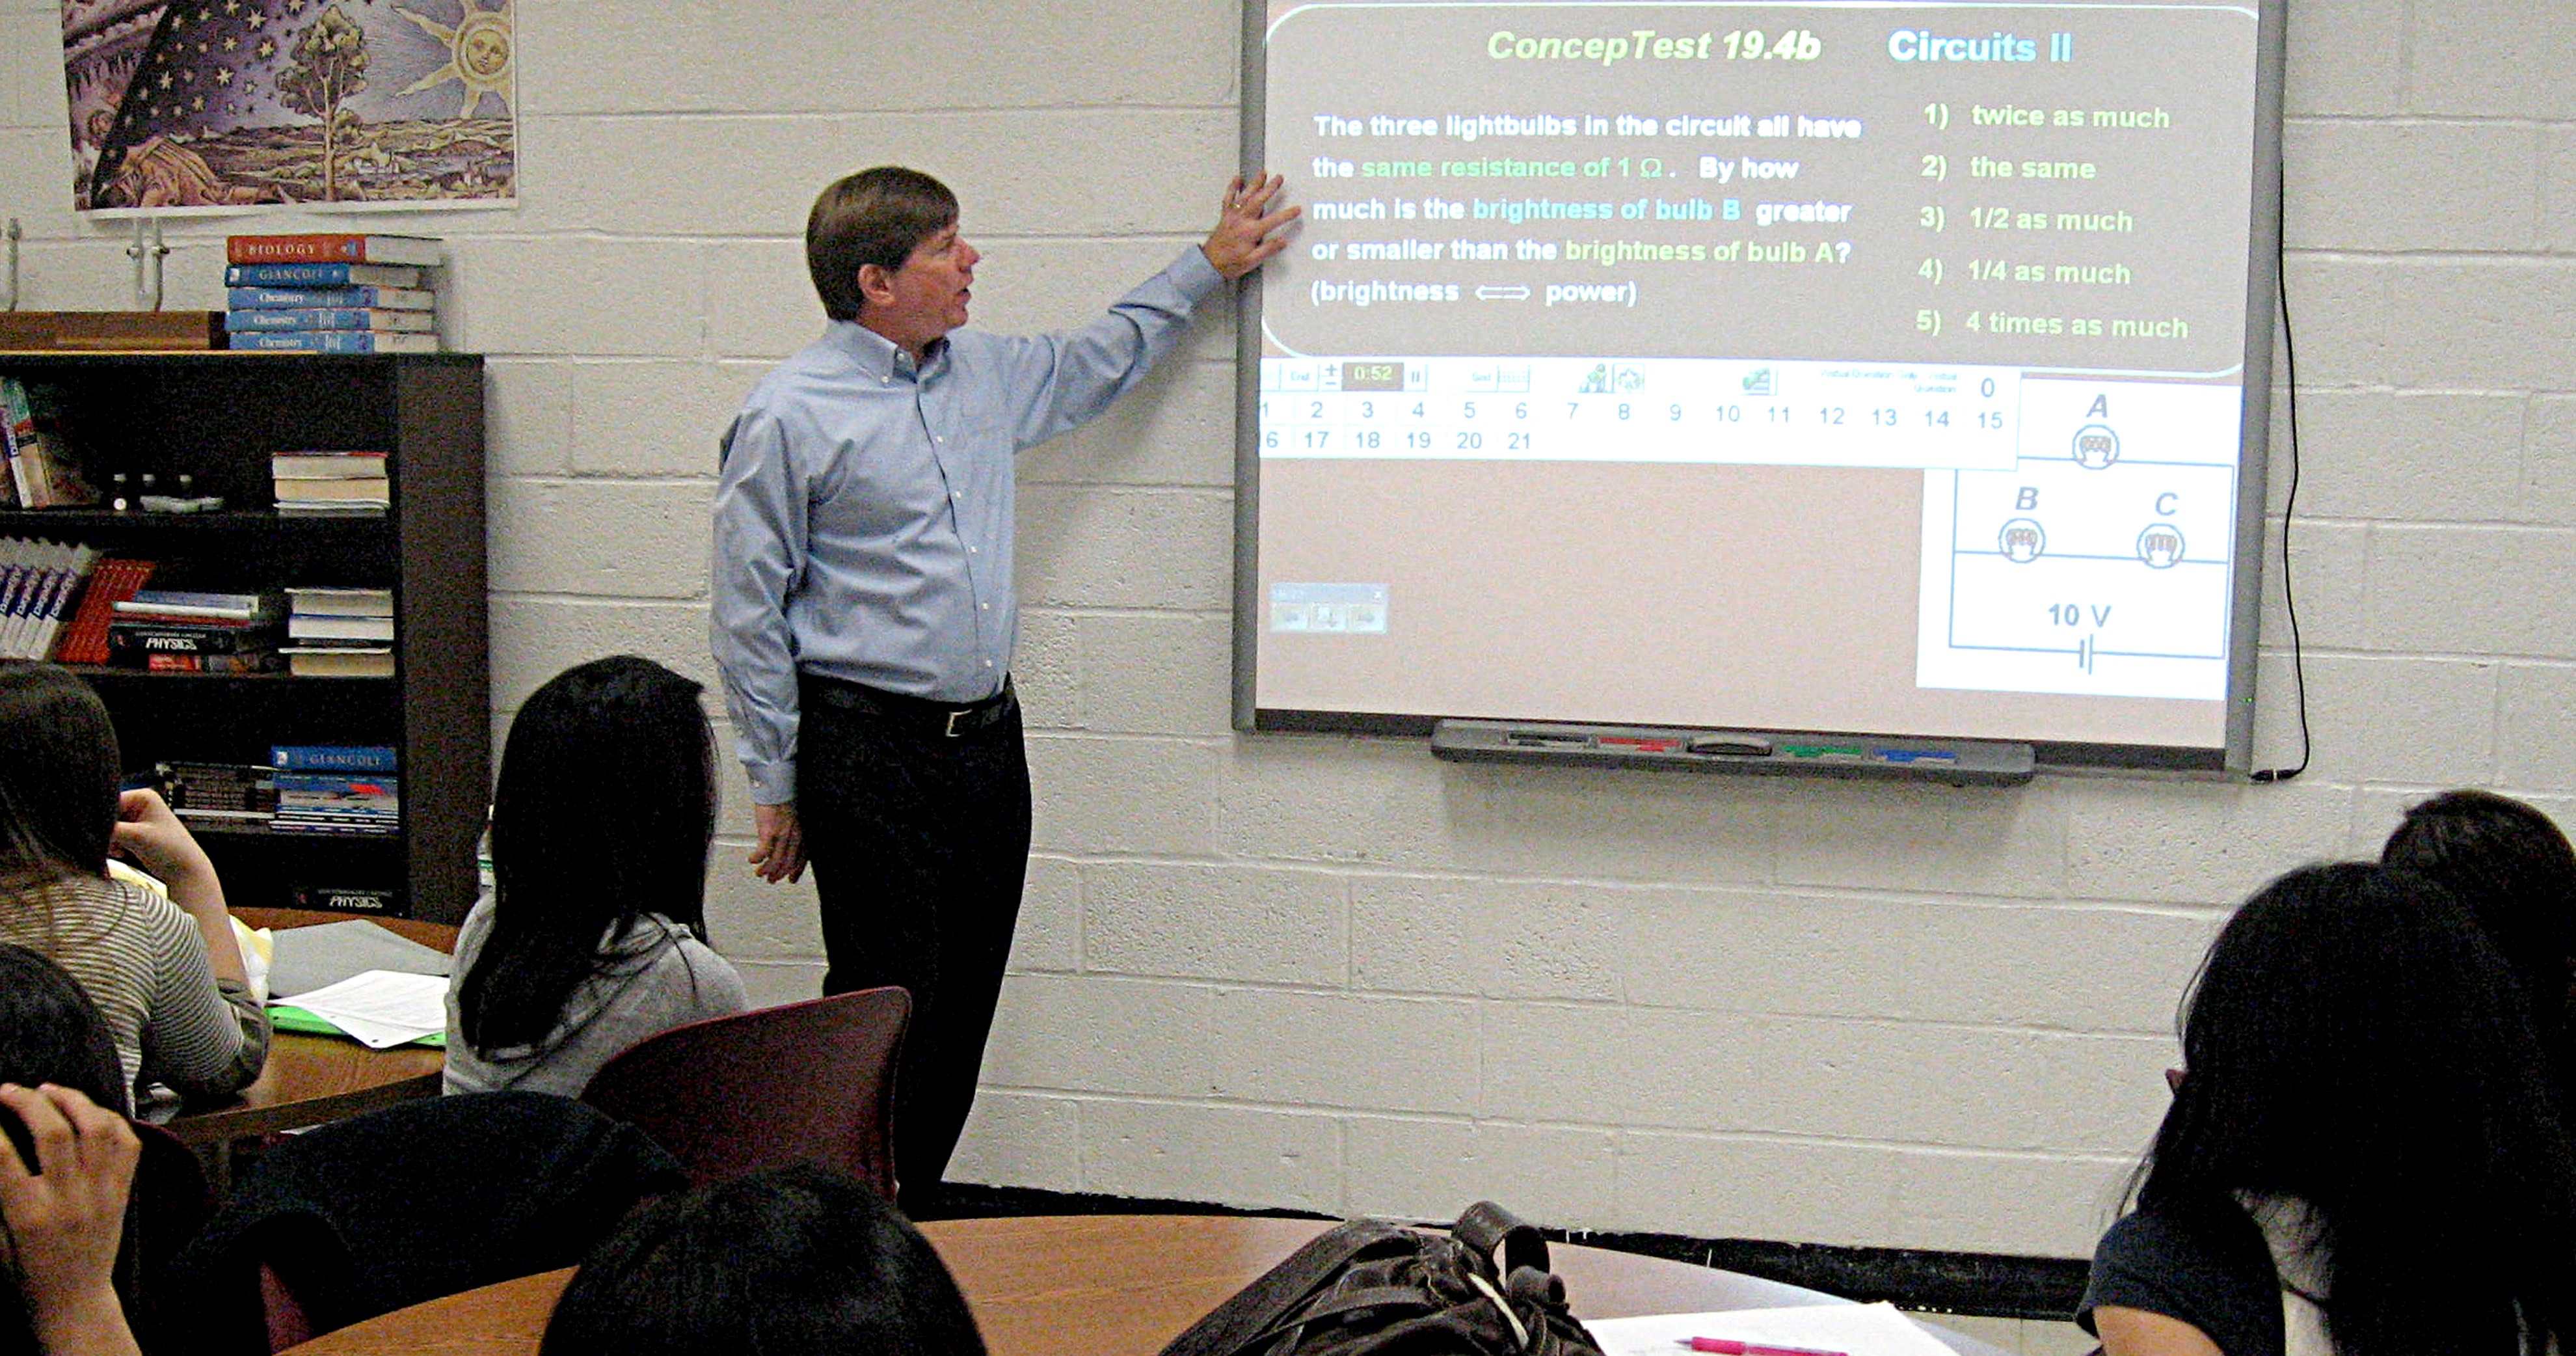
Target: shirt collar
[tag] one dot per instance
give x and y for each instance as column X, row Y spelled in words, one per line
column 878, row 356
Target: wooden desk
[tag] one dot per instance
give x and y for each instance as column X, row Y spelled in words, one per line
column 313, row 1080
column 1139, row 1280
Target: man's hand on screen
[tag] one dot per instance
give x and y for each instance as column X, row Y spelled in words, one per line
column 1246, row 234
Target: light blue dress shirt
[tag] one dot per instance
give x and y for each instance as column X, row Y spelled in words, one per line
column 863, row 515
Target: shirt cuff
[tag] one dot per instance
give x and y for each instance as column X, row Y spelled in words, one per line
column 1194, row 275
column 772, row 783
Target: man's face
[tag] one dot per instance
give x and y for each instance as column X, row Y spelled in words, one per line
column 927, row 296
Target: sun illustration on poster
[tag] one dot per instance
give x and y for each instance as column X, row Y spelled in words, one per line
column 478, row 53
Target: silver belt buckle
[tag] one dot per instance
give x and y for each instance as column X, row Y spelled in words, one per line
column 953, row 718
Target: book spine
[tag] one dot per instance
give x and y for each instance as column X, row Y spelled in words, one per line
column 261, row 662
column 328, row 784
column 332, row 247
column 364, row 899
column 311, row 248
column 336, row 341
column 86, row 643
column 17, row 566
column 30, row 583
column 341, row 318
column 17, row 431
column 46, row 625
column 205, row 608
column 202, row 598
column 133, row 641
column 331, row 758
column 315, row 465
column 320, row 275
column 329, row 298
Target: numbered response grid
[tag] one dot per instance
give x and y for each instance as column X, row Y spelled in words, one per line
column 1879, row 415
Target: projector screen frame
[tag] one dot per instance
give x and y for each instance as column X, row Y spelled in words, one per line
column 2263, row 283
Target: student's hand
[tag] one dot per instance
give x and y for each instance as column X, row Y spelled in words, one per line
column 1244, row 239
column 154, row 839
column 779, row 854
column 66, row 1215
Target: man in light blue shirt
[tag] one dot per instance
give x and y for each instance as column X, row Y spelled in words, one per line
column 864, row 609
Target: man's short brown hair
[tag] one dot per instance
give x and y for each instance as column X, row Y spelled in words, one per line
column 875, row 216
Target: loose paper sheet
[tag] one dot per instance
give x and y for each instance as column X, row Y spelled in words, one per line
column 1851, row 1329
column 382, row 1008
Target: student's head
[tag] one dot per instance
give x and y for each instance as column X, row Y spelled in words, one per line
column 603, row 812
column 793, row 1259
column 2514, row 871
column 58, row 775
column 2352, row 1042
column 50, row 1032
column 871, row 222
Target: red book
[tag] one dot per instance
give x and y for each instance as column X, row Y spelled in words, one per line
column 332, row 247
column 115, row 580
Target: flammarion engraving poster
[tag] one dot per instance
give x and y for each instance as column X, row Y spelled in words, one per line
column 188, row 105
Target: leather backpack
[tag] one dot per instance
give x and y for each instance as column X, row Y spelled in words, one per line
column 1370, row 1288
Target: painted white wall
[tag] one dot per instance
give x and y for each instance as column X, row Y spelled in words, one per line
column 1333, row 973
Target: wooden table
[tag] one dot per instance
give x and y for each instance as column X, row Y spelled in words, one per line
column 312, row 1080
column 1138, row 1281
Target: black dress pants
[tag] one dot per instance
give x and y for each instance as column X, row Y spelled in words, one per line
column 919, row 842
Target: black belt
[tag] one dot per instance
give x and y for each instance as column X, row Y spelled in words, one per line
column 950, row 719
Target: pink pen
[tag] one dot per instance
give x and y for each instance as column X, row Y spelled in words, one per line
column 1729, row 1347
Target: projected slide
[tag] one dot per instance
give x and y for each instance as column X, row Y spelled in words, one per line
column 1809, row 366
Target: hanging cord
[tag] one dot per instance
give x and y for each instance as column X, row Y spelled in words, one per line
column 2290, row 507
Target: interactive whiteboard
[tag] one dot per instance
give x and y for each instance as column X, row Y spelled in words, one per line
column 1838, row 367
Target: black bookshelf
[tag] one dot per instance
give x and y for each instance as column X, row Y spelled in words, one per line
column 219, row 417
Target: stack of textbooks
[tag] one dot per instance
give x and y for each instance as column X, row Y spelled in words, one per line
column 340, row 633
column 341, row 484
column 179, row 632
column 219, row 793
column 335, row 788
column 112, row 580
column 37, row 582
column 41, row 472
column 332, row 293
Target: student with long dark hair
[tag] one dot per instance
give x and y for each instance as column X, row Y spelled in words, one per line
column 165, row 973
column 2513, row 869
column 2361, row 1158
column 593, row 937
column 792, row 1259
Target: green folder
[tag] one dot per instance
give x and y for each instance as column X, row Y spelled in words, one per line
column 287, row 1017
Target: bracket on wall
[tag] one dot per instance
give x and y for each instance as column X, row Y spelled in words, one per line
column 9, row 298
column 147, row 252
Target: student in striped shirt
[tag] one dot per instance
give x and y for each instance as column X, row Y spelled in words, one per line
column 165, row 973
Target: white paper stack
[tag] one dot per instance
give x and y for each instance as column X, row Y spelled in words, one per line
column 382, row 1008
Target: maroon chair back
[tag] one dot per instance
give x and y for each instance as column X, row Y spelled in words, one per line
column 171, row 1201
column 732, row 1095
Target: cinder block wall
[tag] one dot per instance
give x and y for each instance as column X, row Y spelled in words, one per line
column 1333, row 973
